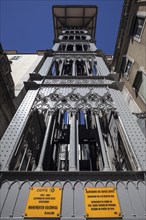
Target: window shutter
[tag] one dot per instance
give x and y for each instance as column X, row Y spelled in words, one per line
column 137, row 81
column 123, row 64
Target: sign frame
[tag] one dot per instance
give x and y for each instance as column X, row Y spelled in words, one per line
column 43, row 203
column 101, row 202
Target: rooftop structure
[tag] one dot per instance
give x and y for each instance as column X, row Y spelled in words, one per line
column 72, row 16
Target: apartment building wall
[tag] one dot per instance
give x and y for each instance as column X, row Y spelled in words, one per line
column 15, row 69
column 130, row 55
column 7, row 108
column 22, row 65
column 136, row 53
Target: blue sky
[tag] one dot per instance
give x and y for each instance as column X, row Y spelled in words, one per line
column 27, row 25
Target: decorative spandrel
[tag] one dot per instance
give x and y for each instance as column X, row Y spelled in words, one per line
column 77, row 82
column 74, row 99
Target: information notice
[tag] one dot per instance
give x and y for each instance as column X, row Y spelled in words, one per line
column 101, row 203
column 44, row 202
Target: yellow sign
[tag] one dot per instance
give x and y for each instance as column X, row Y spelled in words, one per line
column 44, row 202
column 101, row 203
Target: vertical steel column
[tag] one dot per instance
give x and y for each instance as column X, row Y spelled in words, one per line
column 86, row 121
column 61, row 67
column 43, row 150
column 87, row 71
column 92, row 67
column 24, row 153
column 28, row 162
column 105, row 159
column 33, row 165
column 74, row 68
column 107, row 153
column 66, row 47
column 73, row 157
column 82, row 47
column 74, row 47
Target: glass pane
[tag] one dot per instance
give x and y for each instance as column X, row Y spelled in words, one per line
column 128, row 67
column 138, row 26
column 65, row 118
column 138, row 31
column 140, row 21
column 82, row 119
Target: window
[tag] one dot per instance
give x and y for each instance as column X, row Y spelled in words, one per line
column 71, row 37
column 15, row 58
column 67, row 67
column 86, row 47
column 79, row 47
column 77, row 37
column 137, row 26
column 70, row 47
column 128, row 68
column 62, row 47
column 139, row 84
column 83, row 37
column 65, row 37
column 81, row 67
column 55, row 68
column 126, row 65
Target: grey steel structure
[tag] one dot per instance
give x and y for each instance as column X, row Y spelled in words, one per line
column 73, row 129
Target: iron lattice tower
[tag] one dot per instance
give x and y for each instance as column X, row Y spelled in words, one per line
column 72, row 126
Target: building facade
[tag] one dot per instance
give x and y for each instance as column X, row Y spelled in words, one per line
column 12, row 81
column 130, row 56
column 73, row 141
column 7, row 107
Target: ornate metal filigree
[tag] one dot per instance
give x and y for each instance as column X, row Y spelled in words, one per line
column 74, row 101
column 77, row 81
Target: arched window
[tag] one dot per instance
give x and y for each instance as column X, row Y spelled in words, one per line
column 65, row 37
column 71, row 37
column 67, row 67
column 90, row 66
column 81, row 69
column 55, row 67
column 78, row 37
column 83, row 37
column 79, row 47
column 70, row 47
column 86, row 47
column 62, row 47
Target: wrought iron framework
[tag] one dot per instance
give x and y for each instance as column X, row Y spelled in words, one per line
column 73, row 129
